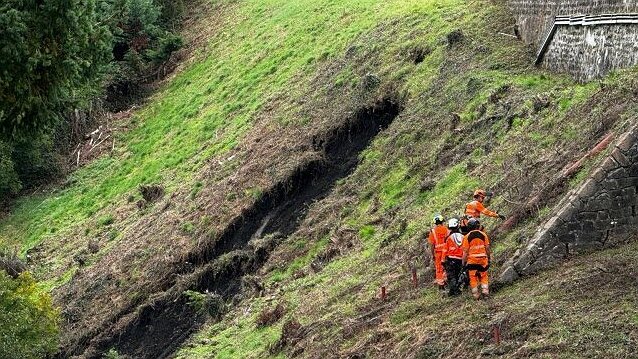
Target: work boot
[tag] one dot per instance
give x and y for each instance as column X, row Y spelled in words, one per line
column 485, row 290
column 476, row 294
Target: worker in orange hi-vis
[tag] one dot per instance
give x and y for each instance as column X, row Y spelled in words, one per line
column 437, row 237
column 476, row 258
column 453, row 257
column 475, row 208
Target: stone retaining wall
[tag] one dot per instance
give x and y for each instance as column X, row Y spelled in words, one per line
column 534, row 17
column 586, row 52
column 589, row 52
column 599, row 213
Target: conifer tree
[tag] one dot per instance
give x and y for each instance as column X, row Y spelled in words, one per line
column 53, row 55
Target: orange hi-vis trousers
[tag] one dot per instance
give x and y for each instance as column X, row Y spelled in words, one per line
column 479, row 277
column 440, row 271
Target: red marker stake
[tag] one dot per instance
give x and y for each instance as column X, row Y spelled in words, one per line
column 415, row 278
column 383, row 293
column 496, row 334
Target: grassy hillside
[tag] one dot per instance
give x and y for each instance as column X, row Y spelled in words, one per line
column 271, row 81
column 588, row 311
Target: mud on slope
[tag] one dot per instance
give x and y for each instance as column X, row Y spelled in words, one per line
column 157, row 328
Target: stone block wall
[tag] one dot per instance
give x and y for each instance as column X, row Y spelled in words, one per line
column 589, row 52
column 601, row 212
column 586, row 52
column 534, row 17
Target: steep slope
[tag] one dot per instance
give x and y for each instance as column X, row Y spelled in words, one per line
column 585, row 309
column 236, row 137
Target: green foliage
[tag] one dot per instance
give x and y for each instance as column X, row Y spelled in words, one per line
column 167, row 44
column 212, row 304
column 366, row 232
column 36, row 159
column 9, row 181
column 254, row 342
column 112, row 354
column 142, row 41
column 106, row 220
column 55, row 56
column 187, row 227
column 52, row 56
column 28, row 320
column 172, row 11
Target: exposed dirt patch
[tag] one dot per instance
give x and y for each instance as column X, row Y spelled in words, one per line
column 159, row 327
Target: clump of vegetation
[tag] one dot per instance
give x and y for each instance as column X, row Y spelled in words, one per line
column 113, row 354
column 211, row 303
column 11, row 264
column 270, row 316
column 28, row 320
column 142, row 44
column 106, row 220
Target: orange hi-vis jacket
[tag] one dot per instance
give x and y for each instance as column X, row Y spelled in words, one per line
column 437, row 237
column 453, row 247
column 475, row 208
column 475, row 244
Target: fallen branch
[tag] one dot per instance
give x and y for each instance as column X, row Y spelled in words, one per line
column 76, row 148
column 94, row 147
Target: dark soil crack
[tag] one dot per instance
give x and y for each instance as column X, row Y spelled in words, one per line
column 160, row 327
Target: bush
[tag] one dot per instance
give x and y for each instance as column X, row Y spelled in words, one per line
column 27, row 163
column 28, row 320
column 36, row 160
column 167, row 44
column 143, row 42
column 211, row 303
column 9, row 181
column 172, row 11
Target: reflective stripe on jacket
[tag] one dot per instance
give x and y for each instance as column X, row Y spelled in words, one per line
column 453, row 247
column 437, row 237
column 475, row 208
column 475, row 244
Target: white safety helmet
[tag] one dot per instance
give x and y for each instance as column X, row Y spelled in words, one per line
column 453, row 223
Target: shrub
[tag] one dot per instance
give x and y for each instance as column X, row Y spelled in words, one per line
column 36, row 160
column 211, row 303
column 9, row 181
column 28, row 320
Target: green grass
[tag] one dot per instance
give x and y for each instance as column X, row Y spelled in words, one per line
column 390, row 213
column 241, row 340
column 210, row 106
column 276, row 50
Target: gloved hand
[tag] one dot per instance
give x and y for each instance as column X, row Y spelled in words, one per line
column 501, row 216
